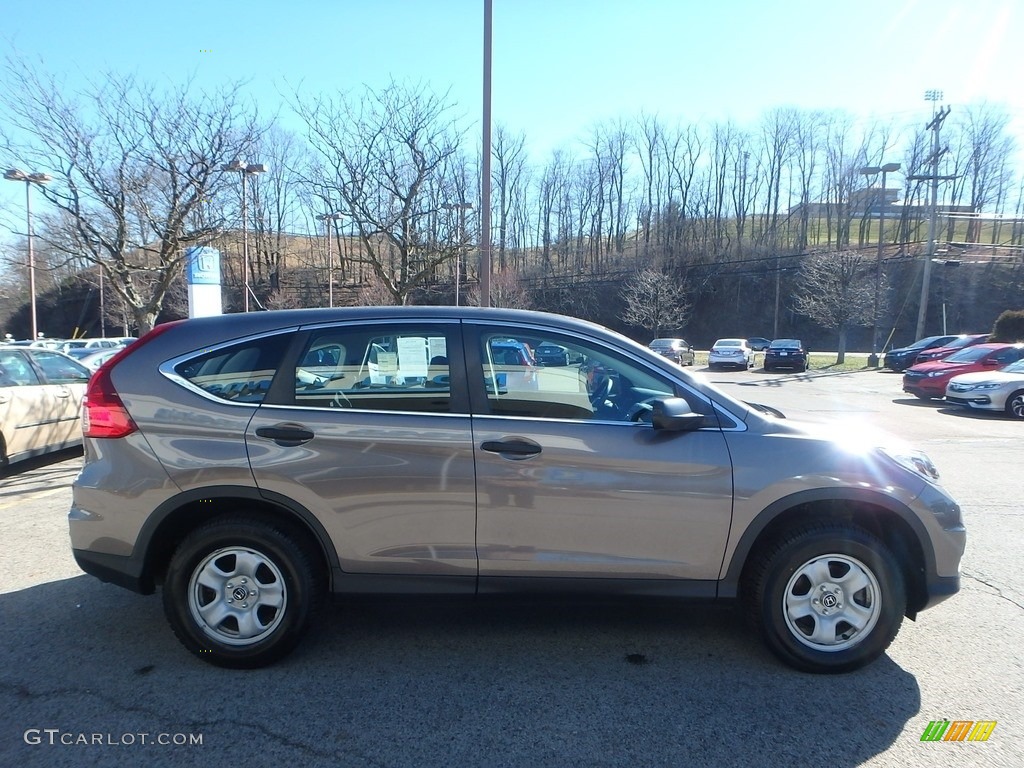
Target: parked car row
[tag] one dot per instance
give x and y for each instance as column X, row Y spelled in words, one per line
column 737, row 353
column 930, row 380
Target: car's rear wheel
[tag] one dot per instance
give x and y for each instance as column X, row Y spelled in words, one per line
column 239, row 592
column 827, row 598
column 1015, row 405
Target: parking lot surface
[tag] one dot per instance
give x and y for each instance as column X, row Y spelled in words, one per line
column 92, row 674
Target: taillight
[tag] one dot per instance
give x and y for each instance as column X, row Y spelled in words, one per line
column 103, row 413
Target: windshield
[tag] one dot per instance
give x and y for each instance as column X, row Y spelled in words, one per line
column 920, row 344
column 729, row 343
column 969, row 355
column 786, row 344
column 963, row 341
column 1017, row 367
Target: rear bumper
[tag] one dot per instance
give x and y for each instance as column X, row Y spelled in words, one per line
column 125, row 572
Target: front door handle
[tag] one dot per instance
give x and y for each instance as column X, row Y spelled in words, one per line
column 516, row 447
column 286, row 434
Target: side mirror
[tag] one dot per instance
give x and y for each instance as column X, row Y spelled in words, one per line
column 674, row 415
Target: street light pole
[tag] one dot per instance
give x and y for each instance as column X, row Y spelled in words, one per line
column 327, row 218
column 462, row 208
column 30, row 178
column 871, row 171
column 237, row 166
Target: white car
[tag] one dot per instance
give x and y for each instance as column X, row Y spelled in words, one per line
column 1001, row 390
column 41, row 394
column 732, row 352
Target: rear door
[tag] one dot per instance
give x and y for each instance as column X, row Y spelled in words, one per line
column 65, row 386
column 369, row 429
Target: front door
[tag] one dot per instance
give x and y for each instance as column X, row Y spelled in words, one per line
column 572, row 479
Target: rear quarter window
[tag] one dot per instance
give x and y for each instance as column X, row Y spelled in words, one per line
column 240, row 373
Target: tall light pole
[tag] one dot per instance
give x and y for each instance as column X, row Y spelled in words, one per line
column 30, row 178
column 327, row 218
column 873, row 170
column 485, row 180
column 461, row 208
column 246, row 170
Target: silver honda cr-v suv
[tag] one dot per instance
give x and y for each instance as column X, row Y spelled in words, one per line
column 253, row 464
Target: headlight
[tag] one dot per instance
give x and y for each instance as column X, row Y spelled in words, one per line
column 933, row 374
column 987, row 385
column 916, row 461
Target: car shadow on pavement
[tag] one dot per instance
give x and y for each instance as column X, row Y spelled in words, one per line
column 430, row 683
column 12, row 471
column 918, row 402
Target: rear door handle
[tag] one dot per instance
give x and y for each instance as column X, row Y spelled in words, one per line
column 286, row 434
column 516, row 447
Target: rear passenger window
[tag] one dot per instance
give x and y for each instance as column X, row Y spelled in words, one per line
column 241, row 373
column 379, row 368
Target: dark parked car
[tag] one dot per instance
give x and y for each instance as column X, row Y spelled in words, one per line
column 786, row 353
column 928, row 380
column 760, row 343
column 960, row 342
column 903, row 358
column 416, row 459
column 551, row 354
column 679, row 351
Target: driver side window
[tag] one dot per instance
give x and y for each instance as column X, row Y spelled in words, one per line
column 567, row 378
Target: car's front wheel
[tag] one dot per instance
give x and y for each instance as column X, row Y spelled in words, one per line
column 240, row 591
column 1015, row 405
column 826, row 598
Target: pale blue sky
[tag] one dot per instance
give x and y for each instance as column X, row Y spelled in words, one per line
column 559, row 65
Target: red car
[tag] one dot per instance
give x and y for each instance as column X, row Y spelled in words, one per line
column 960, row 342
column 928, row 380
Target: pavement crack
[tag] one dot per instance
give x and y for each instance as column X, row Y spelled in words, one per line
column 996, row 590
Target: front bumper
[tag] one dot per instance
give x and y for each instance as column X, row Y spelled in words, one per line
column 925, row 388
column 983, row 402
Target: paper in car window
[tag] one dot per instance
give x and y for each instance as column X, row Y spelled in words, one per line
column 412, row 355
column 437, row 347
column 387, row 363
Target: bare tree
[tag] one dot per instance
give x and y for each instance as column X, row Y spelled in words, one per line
column 655, row 301
column 133, row 166
column 393, row 159
column 837, row 292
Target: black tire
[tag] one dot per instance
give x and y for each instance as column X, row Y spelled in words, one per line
column 241, row 554
column 802, row 368
column 1015, row 405
column 817, row 562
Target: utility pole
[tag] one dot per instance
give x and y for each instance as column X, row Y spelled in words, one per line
column 934, row 126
